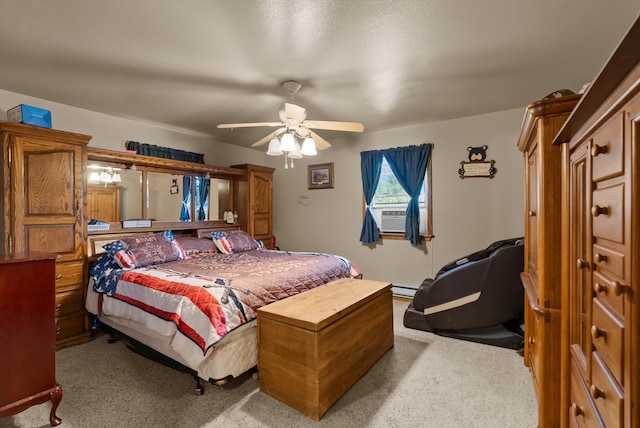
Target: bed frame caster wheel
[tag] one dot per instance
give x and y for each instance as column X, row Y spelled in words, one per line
column 199, row 387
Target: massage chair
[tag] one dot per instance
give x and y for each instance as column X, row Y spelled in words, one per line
column 478, row 297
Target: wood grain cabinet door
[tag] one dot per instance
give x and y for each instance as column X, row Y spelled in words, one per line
column 48, row 216
column 103, row 203
column 261, row 205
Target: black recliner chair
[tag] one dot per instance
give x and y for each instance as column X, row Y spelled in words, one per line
column 478, row 297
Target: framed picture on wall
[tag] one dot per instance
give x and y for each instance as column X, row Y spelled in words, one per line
column 321, row 176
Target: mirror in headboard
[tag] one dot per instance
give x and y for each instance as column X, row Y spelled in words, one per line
column 159, row 189
column 168, row 198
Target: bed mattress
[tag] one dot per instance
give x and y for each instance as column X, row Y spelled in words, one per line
column 231, row 357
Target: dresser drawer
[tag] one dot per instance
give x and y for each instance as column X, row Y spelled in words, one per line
column 582, row 411
column 608, row 260
column 606, row 394
column 69, row 274
column 69, row 326
column 68, row 302
column 607, row 334
column 607, row 212
column 609, row 291
column 607, row 150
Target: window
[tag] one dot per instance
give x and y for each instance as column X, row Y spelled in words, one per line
column 396, row 185
column 390, row 204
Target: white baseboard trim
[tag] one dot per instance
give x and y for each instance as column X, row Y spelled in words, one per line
column 407, row 291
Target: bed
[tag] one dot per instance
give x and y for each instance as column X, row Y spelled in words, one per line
column 191, row 302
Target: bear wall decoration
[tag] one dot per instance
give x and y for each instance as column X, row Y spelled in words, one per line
column 477, row 166
column 477, row 154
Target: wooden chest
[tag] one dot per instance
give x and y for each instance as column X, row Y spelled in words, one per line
column 315, row 345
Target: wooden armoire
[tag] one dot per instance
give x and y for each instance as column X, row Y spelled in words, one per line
column 43, row 211
column 600, row 143
column 541, row 275
column 252, row 198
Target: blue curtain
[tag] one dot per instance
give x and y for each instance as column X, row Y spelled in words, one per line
column 370, row 168
column 409, row 165
column 186, row 196
column 204, row 195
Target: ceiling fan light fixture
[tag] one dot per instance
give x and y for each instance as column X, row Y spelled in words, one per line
column 295, row 154
column 309, row 147
column 274, row 147
column 288, row 142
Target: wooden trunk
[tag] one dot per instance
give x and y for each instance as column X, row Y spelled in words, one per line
column 315, row 345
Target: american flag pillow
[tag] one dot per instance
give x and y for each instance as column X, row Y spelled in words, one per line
column 221, row 239
column 121, row 254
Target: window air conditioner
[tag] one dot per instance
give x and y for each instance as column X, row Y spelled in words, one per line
column 392, row 221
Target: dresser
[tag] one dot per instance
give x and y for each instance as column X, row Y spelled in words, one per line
column 43, row 211
column 253, row 199
column 542, row 267
column 27, row 334
column 601, row 241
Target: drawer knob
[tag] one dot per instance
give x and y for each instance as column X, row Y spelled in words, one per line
column 532, row 340
column 600, row 288
column 581, row 264
column 597, row 210
column 58, row 306
column 576, row 410
column 58, row 277
column 597, row 333
column 618, row 288
column 532, row 213
column 600, row 258
column 596, row 392
column 597, row 150
column 58, row 330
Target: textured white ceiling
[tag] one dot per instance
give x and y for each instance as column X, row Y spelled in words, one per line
column 192, row 64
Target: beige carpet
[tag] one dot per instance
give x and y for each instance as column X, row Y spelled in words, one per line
column 424, row 381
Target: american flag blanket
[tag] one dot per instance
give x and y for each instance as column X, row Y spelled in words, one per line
column 208, row 295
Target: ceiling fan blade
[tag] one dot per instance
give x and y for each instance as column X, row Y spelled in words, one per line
column 269, row 137
column 334, row 126
column 321, row 143
column 248, row 125
column 297, row 113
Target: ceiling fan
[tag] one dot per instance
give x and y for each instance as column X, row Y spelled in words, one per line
column 294, row 122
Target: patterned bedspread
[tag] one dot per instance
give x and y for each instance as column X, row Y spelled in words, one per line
column 209, row 294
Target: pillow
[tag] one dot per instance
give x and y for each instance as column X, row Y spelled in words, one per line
column 235, row 241
column 192, row 245
column 145, row 250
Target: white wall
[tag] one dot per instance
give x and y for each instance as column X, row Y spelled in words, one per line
column 110, row 132
column 468, row 214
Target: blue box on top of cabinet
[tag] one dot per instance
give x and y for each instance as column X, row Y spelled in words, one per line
column 30, row 115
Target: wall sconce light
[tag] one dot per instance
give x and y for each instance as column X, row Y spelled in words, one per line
column 174, row 189
column 104, row 174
